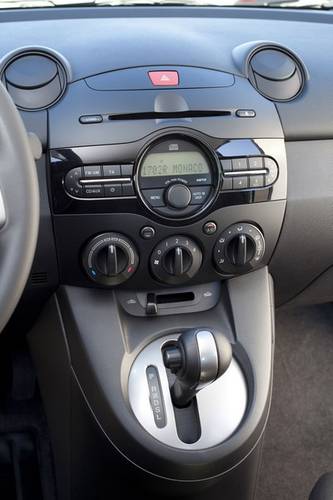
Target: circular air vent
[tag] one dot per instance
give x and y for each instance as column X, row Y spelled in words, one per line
column 35, row 79
column 276, row 73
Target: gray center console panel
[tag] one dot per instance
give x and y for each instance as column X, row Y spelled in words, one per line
column 85, row 344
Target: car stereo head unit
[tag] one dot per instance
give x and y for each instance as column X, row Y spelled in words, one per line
column 177, row 176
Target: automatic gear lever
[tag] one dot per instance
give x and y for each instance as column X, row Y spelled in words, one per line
column 197, row 359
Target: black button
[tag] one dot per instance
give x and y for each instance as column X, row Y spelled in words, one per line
column 72, row 181
column 147, row 233
column 154, row 197
column 128, row 189
column 209, row 228
column 226, row 165
column 111, row 170
column 239, row 164
column 87, row 119
column 92, row 171
column 93, row 191
column 245, row 113
column 127, row 170
column 199, row 194
column 76, row 191
column 239, row 182
column 255, row 163
column 112, row 190
column 227, row 184
column 256, row 181
column 198, row 180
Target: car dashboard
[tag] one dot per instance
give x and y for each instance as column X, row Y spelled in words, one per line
column 185, row 185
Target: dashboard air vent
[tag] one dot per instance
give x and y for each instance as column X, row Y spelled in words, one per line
column 35, row 79
column 39, row 278
column 276, row 73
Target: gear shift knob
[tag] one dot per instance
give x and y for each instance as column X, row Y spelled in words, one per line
column 197, row 359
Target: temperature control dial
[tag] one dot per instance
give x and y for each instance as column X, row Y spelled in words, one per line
column 110, row 259
column 239, row 249
column 175, row 260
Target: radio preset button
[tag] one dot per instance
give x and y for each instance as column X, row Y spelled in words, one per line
column 255, row 163
column 226, row 165
column 239, row 182
column 128, row 189
column 256, row 181
column 239, row 164
column 127, row 170
column 227, row 184
column 154, row 197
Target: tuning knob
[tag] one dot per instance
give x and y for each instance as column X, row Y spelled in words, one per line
column 110, row 259
column 239, row 249
column 175, row 260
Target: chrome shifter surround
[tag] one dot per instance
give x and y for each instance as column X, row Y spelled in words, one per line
column 221, row 405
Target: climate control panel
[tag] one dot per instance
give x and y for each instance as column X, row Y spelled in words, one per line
column 111, row 258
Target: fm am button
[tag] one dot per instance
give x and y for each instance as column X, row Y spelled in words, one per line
column 164, row 78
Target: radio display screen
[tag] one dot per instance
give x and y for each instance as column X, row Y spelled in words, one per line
column 174, row 164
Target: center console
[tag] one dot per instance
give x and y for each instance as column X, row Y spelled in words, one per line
column 167, row 206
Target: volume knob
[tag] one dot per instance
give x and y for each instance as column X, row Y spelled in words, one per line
column 178, row 196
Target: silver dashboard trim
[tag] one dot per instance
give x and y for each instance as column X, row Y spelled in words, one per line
column 242, row 173
column 3, row 217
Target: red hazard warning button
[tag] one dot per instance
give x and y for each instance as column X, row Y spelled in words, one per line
column 164, row 78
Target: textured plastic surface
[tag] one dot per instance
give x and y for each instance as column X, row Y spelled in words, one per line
column 102, row 361
column 304, row 249
column 67, row 131
column 138, row 78
column 191, row 36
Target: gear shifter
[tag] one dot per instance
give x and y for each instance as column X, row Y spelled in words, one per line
column 197, row 359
